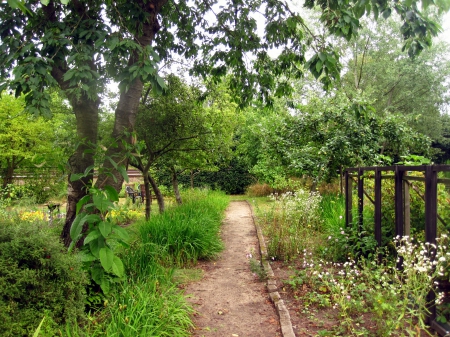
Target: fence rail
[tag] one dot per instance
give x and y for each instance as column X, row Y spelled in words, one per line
column 402, row 188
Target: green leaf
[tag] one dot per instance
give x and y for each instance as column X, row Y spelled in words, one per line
column 77, row 226
column 105, row 228
column 123, row 172
column 121, row 232
column 36, row 333
column 64, row 2
column 105, row 285
column 113, row 163
column 83, row 201
column 319, row 66
column 106, row 258
column 76, row 176
column 93, row 218
column 117, row 267
column 160, row 82
column 96, row 245
column 386, row 13
column 112, row 193
column 94, row 234
column 101, row 203
column 87, row 257
column 97, row 273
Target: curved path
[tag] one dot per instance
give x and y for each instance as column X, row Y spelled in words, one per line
column 230, row 300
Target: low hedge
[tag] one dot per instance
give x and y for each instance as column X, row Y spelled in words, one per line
column 37, row 278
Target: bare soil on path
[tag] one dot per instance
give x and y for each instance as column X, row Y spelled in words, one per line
column 230, row 300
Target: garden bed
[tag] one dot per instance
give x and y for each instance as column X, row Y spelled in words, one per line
column 312, row 319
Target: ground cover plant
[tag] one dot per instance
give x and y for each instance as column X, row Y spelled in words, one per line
column 145, row 301
column 37, row 279
column 332, row 276
column 148, row 302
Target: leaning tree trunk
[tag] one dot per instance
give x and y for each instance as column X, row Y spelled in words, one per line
column 158, row 194
column 176, row 190
column 148, row 196
column 86, row 112
column 125, row 114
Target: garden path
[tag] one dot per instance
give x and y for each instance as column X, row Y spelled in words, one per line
column 230, row 300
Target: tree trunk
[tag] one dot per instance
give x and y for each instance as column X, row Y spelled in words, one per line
column 126, row 111
column 148, row 196
column 158, row 194
column 8, row 174
column 86, row 112
column 176, row 190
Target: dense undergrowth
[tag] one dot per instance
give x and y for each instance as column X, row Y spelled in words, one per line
column 342, row 271
column 147, row 302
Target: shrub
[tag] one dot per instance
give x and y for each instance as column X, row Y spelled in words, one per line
column 259, row 190
column 37, row 278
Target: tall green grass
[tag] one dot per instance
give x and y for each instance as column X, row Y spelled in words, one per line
column 332, row 209
column 187, row 233
column 148, row 303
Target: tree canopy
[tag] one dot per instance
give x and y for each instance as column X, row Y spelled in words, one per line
column 78, row 46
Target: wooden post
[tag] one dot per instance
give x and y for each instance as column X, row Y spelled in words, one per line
column 407, row 207
column 378, row 206
column 348, row 199
column 431, row 227
column 360, row 199
column 398, row 201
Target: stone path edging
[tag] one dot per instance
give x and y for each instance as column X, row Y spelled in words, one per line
column 283, row 313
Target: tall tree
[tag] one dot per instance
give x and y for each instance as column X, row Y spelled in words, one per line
column 399, row 85
column 81, row 45
column 24, row 139
column 178, row 130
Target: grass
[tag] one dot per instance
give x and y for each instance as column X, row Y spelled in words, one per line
column 187, row 233
column 160, row 254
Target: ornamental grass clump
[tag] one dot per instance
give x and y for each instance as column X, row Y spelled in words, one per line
column 187, row 233
column 293, row 215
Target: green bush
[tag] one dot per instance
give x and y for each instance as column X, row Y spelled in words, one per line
column 37, row 278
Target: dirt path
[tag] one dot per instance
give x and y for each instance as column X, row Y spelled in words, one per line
column 230, row 300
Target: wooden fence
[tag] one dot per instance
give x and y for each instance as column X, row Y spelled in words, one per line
column 402, row 186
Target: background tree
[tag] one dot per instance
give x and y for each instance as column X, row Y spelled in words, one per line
column 25, row 140
column 325, row 134
column 398, row 84
column 180, row 131
column 78, row 46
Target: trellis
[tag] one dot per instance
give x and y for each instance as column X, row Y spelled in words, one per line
column 402, row 187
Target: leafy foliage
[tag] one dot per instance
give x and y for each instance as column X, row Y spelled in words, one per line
column 97, row 252
column 37, row 278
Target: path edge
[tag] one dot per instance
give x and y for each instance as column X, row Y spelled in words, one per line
column 283, row 313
